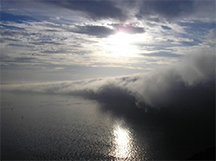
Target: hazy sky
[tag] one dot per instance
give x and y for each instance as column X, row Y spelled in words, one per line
column 53, row 40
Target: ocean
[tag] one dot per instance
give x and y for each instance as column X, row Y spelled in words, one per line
column 64, row 127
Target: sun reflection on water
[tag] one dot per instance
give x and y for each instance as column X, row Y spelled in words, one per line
column 122, row 142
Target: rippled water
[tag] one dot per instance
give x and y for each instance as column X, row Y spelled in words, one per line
column 64, row 127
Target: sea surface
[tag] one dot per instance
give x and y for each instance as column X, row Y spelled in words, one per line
column 64, row 127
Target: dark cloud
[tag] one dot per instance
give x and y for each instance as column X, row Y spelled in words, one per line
column 98, row 31
column 166, row 9
column 128, row 28
column 46, row 42
column 18, row 45
column 154, row 10
column 25, row 59
column 102, row 31
column 96, row 9
column 162, row 54
column 171, row 9
column 166, row 27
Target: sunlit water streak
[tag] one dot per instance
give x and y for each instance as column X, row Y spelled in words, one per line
column 123, row 147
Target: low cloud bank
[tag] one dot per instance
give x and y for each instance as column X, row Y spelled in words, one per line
column 190, row 82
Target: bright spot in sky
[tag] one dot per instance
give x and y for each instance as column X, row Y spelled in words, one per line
column 122, row 141
column 121, row 39
column 120, row 44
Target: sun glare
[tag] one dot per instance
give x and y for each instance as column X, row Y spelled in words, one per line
column 120, row 44
column 122, row 141
column 120, row 39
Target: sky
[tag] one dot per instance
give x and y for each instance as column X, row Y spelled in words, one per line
column 51, row 40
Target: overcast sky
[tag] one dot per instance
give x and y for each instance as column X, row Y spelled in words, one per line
column 53, row 40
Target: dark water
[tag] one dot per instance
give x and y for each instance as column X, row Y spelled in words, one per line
column 54, row 127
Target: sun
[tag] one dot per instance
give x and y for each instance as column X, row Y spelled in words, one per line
column 120, row 44
column 120, row 39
